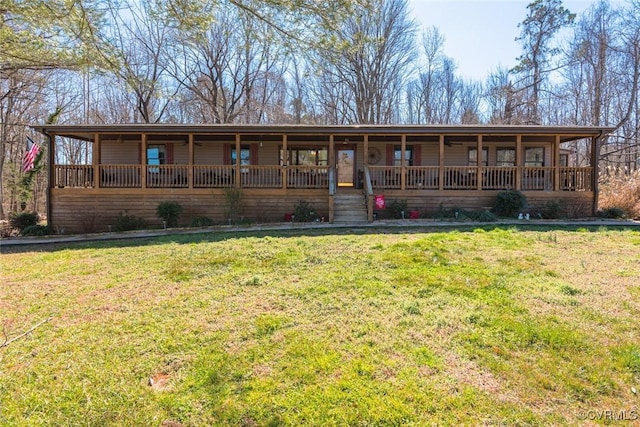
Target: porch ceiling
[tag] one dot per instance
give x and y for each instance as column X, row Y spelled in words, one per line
column 269, row 132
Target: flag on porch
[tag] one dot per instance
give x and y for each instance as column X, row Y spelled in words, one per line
column 30, row 156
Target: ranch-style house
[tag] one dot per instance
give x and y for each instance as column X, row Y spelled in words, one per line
column 342, row 171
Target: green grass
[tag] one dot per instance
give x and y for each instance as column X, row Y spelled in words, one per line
column 486, row 326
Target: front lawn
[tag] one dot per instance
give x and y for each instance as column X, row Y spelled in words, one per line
column 333, row 327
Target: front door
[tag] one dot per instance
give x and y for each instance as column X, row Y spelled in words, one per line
column 346, row 165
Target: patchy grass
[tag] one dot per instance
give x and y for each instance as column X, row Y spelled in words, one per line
column 487, row 326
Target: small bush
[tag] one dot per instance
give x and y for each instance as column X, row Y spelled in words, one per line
column 552, row 209
column 89, row 220
column 480, row 215
column 37, row 230
column 304, row 212
column 126, row 222
column 170, row 212
column 459, row 214
column 23, row 220
column 6, row 230
column 509, row 203
column 396, row 208
column 612, row 212
column 201, row 221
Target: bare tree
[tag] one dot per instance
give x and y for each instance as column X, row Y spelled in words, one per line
column 232, row 71
column 545, row 19
column 363, row 77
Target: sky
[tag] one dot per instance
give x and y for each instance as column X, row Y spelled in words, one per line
column 480, row 34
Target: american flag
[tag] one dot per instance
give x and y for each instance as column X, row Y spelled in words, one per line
column 30, row 156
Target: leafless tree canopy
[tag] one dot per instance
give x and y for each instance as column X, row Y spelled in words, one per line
column 272, row 61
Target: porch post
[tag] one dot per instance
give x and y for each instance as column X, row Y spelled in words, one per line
column 332, row 174
column 366, row 150
column 403, row 162
column 332, row 153
column 479, row 166
column 237, row 171
column 595, row 157
column 51, row 175
column 441, row 164
column 190, row 162
column 285, row 161
column 96, row 160
column 143, row 161
column 556, row 164
column 366, row 162
column 518, row 162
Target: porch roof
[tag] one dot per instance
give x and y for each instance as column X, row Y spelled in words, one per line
column 87, row 131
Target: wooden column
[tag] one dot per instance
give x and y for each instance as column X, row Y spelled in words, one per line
column 366, row 164
column 332, row 153
column 595, row 155
column 366, row 150
column 237, row 171
column 285, row 161
column 556, row 164
column 50, row 176
column 518, row 162
column 96, row 159
column 190, row 162
column 441, row 163
column 403, row 162
column 143, row 161
column 479, row 166
column 332, row 174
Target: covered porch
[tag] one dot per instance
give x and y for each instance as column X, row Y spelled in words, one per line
column 320, row 162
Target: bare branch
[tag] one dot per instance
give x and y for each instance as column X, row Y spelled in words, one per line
column 8, row 341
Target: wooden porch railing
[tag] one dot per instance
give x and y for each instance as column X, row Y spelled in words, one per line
column 73, row 176
column 368, row 193
column 261, row 176
column 537, row 178
column 308, row 176
column 319, row 177
column 213, row 176
column 385, row 176
column 167, row 176
column 120, row 176
column 460, row 178
column 422, row 177
column 499, row 178
column 576, row 179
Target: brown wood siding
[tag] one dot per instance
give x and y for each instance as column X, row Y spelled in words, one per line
column 94, row 210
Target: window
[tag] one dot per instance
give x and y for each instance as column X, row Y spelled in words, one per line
column 473, row 156
column 307, row 156
column 534, row 156
column 505, row 157
column 156, row 155
column 397, row 155
column 245, row 155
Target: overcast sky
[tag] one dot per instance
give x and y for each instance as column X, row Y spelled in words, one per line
column 480, row 34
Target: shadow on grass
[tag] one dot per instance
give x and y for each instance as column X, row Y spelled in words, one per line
column 208, row 235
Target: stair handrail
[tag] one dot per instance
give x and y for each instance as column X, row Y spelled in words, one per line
column 368, row 193
column 332, row 182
